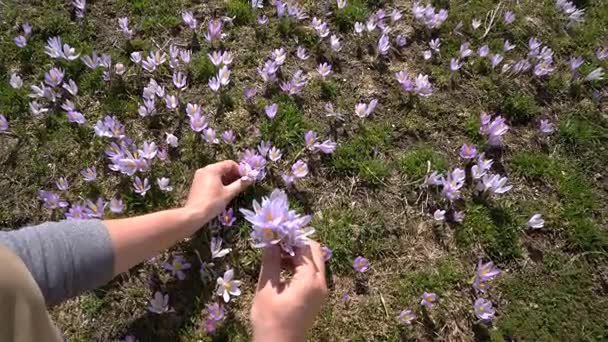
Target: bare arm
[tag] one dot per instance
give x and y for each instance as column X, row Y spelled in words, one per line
column 139, row 238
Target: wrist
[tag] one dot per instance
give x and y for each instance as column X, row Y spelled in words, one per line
column 191, row 219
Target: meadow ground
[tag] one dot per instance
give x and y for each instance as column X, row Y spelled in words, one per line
column 369, row 197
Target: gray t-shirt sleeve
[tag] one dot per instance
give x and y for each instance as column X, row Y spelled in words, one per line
column 66, row 258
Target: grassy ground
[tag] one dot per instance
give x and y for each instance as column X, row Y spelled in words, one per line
column 367, row 198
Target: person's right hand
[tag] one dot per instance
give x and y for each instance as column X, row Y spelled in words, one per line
column 286, row 310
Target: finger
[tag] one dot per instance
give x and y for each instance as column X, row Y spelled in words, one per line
column 317, row 256
column 270, row 273
column 304, row 265
column 236, row 187
column 227, row 169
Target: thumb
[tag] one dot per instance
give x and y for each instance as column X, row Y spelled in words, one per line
column 236, row 187
column 270, row 274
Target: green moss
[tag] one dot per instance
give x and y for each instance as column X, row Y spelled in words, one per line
column 576, row 131
column 355, row 11
column 495, row 228
column 13, row 102
column 241, row 11
column 286, row 27
column 335, row 230
column 374, row 171
column 360, row 149
column 534, row 166
column 439, row 277
column 288, row 127
column 553, row 301
column 329, row 90
column 520, row 108
column 201, row 68
column 413, row 163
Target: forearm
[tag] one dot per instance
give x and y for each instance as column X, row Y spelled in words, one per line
column 139, row 238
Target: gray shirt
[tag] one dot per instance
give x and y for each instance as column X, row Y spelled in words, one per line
column 65, row 258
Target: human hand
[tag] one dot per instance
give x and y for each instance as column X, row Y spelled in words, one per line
column 213, row 187
column 285, row 311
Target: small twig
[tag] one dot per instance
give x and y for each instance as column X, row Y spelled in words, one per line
column 383, row 304
column 493, row 14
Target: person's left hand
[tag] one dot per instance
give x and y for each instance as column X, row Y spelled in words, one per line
column 213, row 187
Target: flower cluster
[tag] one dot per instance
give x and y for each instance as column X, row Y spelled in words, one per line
column 493, row 129
column 484, row 274
column 575, row 15
column 428, row 16
column 274, row 223
column 420, row 85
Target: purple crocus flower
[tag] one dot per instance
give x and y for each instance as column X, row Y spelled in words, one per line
column 422, row 86
column 227, row 286
column 483, row 309
column 164, row 184
column 495, row 130
column 484, row 51
column 428, row 299
column 141, row 187
column 89, row 174
column 263, row 19
column 228, row 137
column 458, row 216
column 171, row 101
column 327, row 253
column 177, row 267
column 116, row 206
column 536, row 221
column 301, row 53
column 468, row 151
column 264, row 147
column 509, row 17
column 51, row 200
column 159, row 304
column 434, row 179
column 214, row 83
column 62, row 184
column 439, row 215
column 324, row 69
column 486, row 271
column 274, row 154
column 198, row 122
column 249, row 93
column 210, row 136
column 189, row 19
column 227, row 218
column 171, row 140
column 179, row 80
column 546, row 127
column 299, row 169
column 271, row 110
column 96, row 209
column 360, row 264
column 274, row 224
column 123, row 24
column 384, row 45
column 465, row 51
column 54, row 77
column 595, row 75
column 16, row 81
column 149, row 150
column 455, row 64
column 214, row 31
column 496, row 59
column 327, row 147
column 407, row 316
column 20, row 41
column 77, row 212
column 601, row 53
column 310, row 138
column 216, row 312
